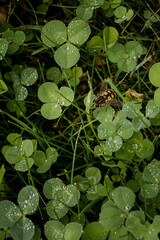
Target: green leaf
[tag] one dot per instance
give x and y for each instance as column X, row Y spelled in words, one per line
column 119, row 234
column 67, row 55
column 115, row 3
column 140, row 123
column 42, row 8
column 3, row 48
column 131, row 109
column 110, row 36
column 93, row 175
column 151, row 109
column 54, row 33
column 14, row 76
column 21, row 93
column 18, row 156
column 48, row 92
column 151, row 172
column 95, row 230
column 56, row 209
column 51, row 154
column 106, row 130
column 17, row 106
column 125, row 129
column 135, row 227
column 134, row 49
column 146, row 149
column 76, row 74
column 73, row 231
column 96, row 191
column 66, row 96
column 110, row 216
column 13, row 155
column 3, row 87
column 139, row 214
column 84, row 13
column 2, row 173
column 37, row 234
column 78, row 32
column 12, row 48
column 39, row 158
column 92, row 3
column 23, row 229
column 105, row 115
column 51, row 111
column 29, row 76
column 113, row 144
column 125, row 56
column 129, row 14
column 124, row 198
column 154, row 74
column 82, row 183
column 15, row 139
column 98, row 151
column 70, row 195
column 27, row 147
column 126, row 152
column 149, row 190
column 155, row 224
column 127, row 64
column 116, row 53
column 28, row 199
column 54, row 230
column 96, row 42
column 24, row 165
column 52, row 187
column 157, row 97
column 8, row 35
column 67, row 73
column 54, row 74
column 19, row 37
column 44, row 162
column 2, row 235
column 155, row 121
column 120, row 12
column 9, row 214
column 133, row 185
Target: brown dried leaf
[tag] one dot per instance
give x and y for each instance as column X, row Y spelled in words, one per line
column 130, row 93
column 3, row 15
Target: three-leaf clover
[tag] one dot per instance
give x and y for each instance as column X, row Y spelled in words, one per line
column 55, row 33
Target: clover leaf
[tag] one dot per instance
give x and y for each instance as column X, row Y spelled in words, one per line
column 53, row 98
column 157, row 97
column 125, row 56
column 110, row 36
column 62, row 196
column 54, row 33
column 151, row 109
column 67, row 55
column 9, row 213
column 111, row 216
column 124, row 198
column 151, row 173
column 44, row 161
column 21, row 156
column 83, row 12
column 3, row 48
column 78, row 32
column 154, row 74
column 122, row 14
